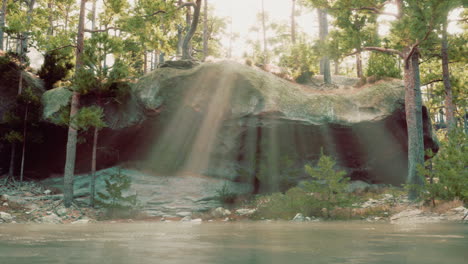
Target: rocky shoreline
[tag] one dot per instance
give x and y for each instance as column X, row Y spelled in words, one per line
column 33, row 203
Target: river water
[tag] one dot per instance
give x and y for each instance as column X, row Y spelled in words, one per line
column 235, row 242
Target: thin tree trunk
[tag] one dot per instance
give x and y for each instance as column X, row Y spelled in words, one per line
column 293, row 22
column 337, row 67
column 2, row 21
column 413, row 108
column 449, row 107
column 23, row 154
column 93, row 16
column 72, row 132
column 50, row 30
column 25, row 38
column 265, row 44
column 186, row 45
column 323, row 33
column 205, row 31
column 145, row 61
column 359, row 65
column 93, row 168
column 11, row 170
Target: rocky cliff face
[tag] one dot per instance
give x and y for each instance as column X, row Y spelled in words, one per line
column 235, row 122
column 232, row 121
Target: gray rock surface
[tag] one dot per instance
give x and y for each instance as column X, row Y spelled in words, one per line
column 299, row 218
column 220, row 212
column 51, row 219
column 162, row 195
column 5, row 217
column 245, row 211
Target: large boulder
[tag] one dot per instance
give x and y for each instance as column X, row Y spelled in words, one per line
column 231, row 121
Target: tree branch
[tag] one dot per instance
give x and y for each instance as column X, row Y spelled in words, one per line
column 433, row 81
column 384, row 50
column 155, row 13
column 63, row 47
column 375, row 10
column 101, row 30
column 189, row 4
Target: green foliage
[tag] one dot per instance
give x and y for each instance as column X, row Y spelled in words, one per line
column 116, row 185
column 286, row 206
column 225, row 195
column 301, row 60
column 383, row 65
column 329, row 185
column 87, row 117
column 55, row 68
column 13, row 136
column 447, row 171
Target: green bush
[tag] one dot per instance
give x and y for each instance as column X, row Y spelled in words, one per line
column 113, row 199
column 447, row 171
column 383, row 65
column 226, row 196
column 329, row 185
column 286, row 206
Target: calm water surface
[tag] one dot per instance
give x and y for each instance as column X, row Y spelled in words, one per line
column 257, row 242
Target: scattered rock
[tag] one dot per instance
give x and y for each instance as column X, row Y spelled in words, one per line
column 358, row 186
column 5, row 217
column 197, row 220
column 47, row 192
column 245, row 211
column 186, row 219
column 415, row 216
column 220, row 212
column 5, row 197
column 5, row 204
column 51, row 219
column 299, row 218
column 81, row 221
column 184, row 214
column 62, row 212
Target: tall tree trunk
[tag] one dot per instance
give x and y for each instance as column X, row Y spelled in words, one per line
column 145, row 61
column 72, row 132
column 293, row 22
column 11, row 170
column 23, row 153
column 50, row 30
column 359, row 65
column 413, row 108
column 323, row 33
column 205, row 31
column 449, row 107
column 186, row 45
column 2, row 21
column 25, row 39
column 265, row 44
column 93, row 168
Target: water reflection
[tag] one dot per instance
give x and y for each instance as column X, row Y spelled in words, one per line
column 259, row 242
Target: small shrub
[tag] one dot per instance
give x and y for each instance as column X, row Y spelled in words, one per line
column 226, row 196
column 286, row 206
column 117, row 205
column 447, row 171
column 329, row 185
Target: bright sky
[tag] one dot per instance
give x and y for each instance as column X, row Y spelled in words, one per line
column 244, row 16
